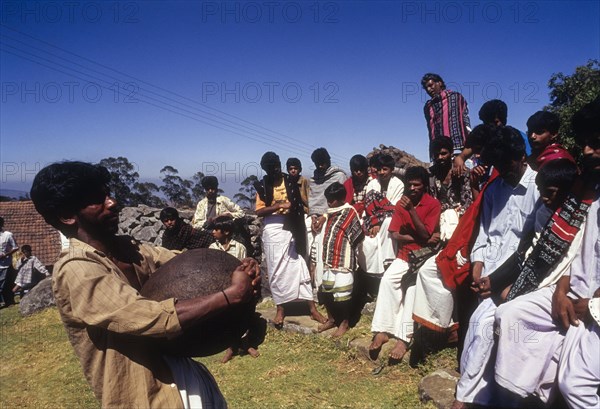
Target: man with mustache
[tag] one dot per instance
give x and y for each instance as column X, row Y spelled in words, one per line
column 507, row 213
column 96, row 285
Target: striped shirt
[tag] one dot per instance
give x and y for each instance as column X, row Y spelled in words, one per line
column 447, row 115
column 342, row 234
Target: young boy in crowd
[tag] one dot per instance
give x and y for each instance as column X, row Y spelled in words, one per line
column 542, row 132
column 356, row 186
column 223, row 229
column 342, row 233
column 378, row 249
column 294, row 168
column 179, row 235
column 30, row 270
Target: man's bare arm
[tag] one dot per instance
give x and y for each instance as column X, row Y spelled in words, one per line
column 245, row 281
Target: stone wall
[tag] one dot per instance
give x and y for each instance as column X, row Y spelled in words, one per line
column 143, row 224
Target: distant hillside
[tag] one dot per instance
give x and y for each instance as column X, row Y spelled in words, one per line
column 14, row 194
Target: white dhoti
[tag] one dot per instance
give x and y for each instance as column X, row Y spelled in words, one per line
column 529, row 339
column 393, row 310
column 434, row 303
column 339, row 283
column 315, row 247
column 289, row 279
column 476, row 383
column 197, row 387
column 376, row 253
column 579, row 367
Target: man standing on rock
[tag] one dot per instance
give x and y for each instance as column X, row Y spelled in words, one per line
column 446, row 113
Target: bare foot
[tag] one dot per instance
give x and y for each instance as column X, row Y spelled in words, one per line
column 327, row 325
column 398, row 352
column 228, row 355
column 458, row 405
column 342, row 329
column 315, row 314
column 253, row 352
column 279, row 316
column 379, row 339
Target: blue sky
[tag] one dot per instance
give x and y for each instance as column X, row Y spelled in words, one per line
column 210, row 86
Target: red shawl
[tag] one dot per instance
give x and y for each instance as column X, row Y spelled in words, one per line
column 462, row 240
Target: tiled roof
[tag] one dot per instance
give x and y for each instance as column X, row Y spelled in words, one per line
column 28, row 227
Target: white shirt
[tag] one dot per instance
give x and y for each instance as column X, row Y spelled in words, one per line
column 585, row 268
column 394, row 191
column 236, row 249
column 7, row 244
column 506, row 213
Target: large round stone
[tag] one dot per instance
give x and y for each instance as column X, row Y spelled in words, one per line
column 198, row 273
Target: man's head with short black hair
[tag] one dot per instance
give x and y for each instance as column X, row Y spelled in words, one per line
column 335, row 194
column 494, row 112
column 224, row 223
column 358, row 162
column 416, row 182
column 63, row 189
column 441, row 150
column 417, row 173
column 169, row 216
column 270, row 163
column 543, row 121
column 554, row 181
column 210, row 182
column 321, row 159
column 506, row 152
column 586, row 124
column 542, row 130
column 479, row 136
column 386, row 160
column 169, row 213
column 433, row 84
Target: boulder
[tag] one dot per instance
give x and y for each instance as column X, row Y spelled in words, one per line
column 439, row 387
column 38, row 298
column 403, row 159
column 144, row 233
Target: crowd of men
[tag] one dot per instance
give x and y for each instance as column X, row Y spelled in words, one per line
column 497, row 240
column 495, row 245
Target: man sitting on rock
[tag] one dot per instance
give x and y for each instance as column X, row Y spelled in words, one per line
column 30, row 271
column 213, row 205
column 96, row 285
column 179, row 235
column 415, row 219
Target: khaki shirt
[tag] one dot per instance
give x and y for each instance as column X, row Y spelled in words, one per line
column 109, row 325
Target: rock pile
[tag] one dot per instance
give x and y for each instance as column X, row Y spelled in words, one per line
column 403, row 159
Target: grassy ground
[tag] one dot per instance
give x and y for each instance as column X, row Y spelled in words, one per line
column 39, row 370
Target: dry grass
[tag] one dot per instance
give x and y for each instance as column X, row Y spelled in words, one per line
column 39, row 370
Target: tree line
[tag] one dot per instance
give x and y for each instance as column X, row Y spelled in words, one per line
column 175, row 190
